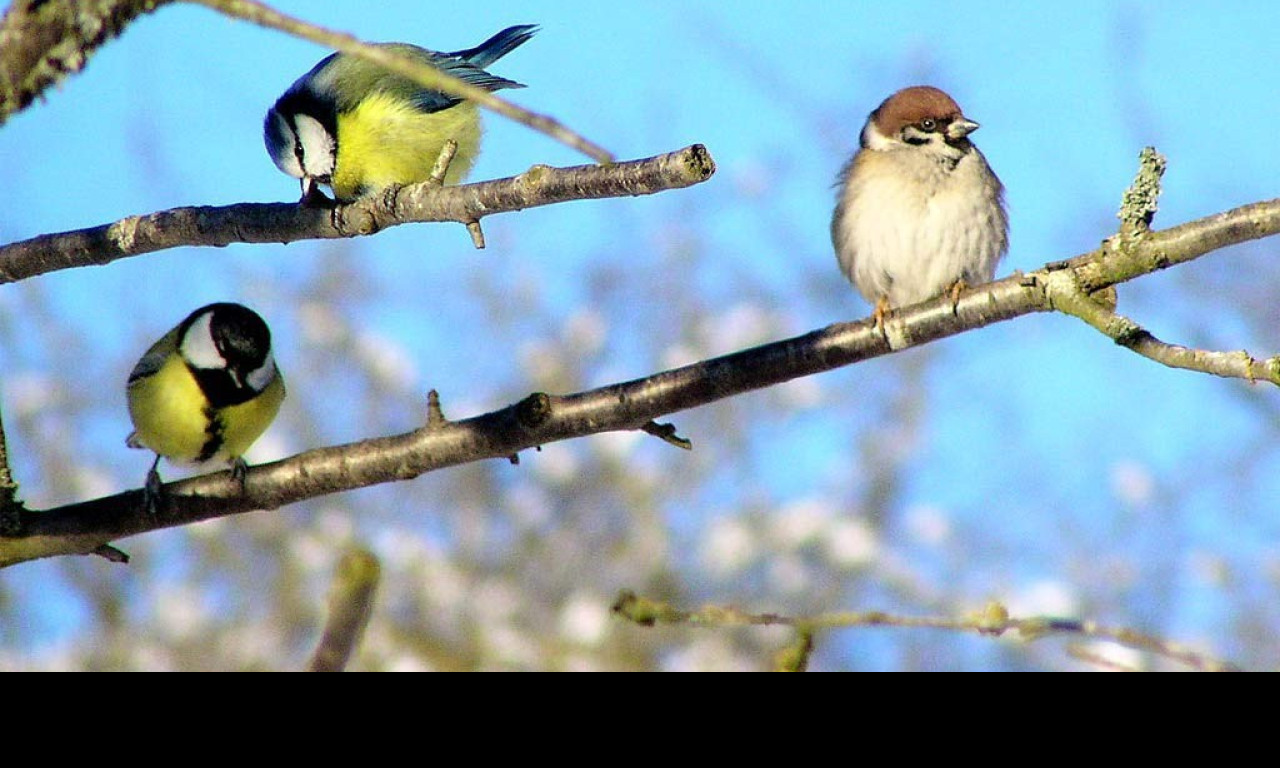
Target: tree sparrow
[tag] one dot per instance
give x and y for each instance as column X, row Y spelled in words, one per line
column 920, row 212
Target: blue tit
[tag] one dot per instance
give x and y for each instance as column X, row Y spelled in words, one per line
column 353, row 125
column 205, row 391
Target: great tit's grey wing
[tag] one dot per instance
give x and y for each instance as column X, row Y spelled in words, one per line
column 155, row 357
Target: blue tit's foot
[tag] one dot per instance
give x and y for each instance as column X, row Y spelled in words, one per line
column 239, row 470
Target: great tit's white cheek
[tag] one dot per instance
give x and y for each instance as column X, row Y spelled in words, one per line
column 198, row 347
column 260, row 377
column 318, row 147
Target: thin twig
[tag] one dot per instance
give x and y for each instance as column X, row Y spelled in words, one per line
column 8, row 489
column 351, row 596
column 1067, row 297
column 111, row 554
column 10, row 509
column 441, row 168
column 477, row 234
column 667, row 434
column 993, row 620
column 424, row 74
column 1140, row 201
column 435, row 414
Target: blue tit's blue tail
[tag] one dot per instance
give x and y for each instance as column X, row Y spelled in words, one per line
column 497, row 46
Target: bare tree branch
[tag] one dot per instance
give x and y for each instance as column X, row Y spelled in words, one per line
column 541, row 418
column 993, row 621
column 289, row 222
column 42, row 41
column 425, row 75
column 355, row 581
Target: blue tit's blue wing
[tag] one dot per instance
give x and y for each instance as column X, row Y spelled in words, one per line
column 434, row 101
column 467, row 65
column 497, row 46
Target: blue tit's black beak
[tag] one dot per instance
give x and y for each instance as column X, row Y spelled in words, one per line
column 312, row 197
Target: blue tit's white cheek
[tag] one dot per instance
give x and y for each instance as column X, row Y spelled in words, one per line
column 198, row 347
column 260, row 377
column 318, row 147
column 282, row 142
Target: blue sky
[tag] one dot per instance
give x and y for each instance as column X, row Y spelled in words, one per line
column 1067, row 94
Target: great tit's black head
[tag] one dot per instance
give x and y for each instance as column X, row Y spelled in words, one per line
column 228, row 349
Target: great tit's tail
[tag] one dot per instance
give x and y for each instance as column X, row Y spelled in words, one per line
column 497, row 46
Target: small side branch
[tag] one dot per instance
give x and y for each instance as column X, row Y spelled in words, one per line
column 992, row 621
column 667, row 434
column 435, row 414
column 10, row 509
column 441, row 168
column 111, row 554
column 1066, row 296
column 1140, row 202
column 351, row 597
column 290, row 222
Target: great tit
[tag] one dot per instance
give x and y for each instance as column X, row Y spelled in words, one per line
column 205, row 391
column 356, row 127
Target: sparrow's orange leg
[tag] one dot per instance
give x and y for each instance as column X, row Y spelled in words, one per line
column 878, row 314
column 957, row 288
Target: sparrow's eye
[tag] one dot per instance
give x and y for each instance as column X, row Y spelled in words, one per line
column 928, row 125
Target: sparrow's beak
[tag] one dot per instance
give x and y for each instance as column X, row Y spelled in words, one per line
column 960, row 127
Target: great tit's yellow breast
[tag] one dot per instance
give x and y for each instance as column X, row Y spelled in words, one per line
column 168, row 410
column 245, row 423
column 386, row 141
column 172, row 417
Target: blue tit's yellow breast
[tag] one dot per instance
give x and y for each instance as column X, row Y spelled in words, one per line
column 385, row 140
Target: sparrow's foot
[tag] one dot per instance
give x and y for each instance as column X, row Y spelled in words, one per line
column 881, row 311
column 957, row 288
